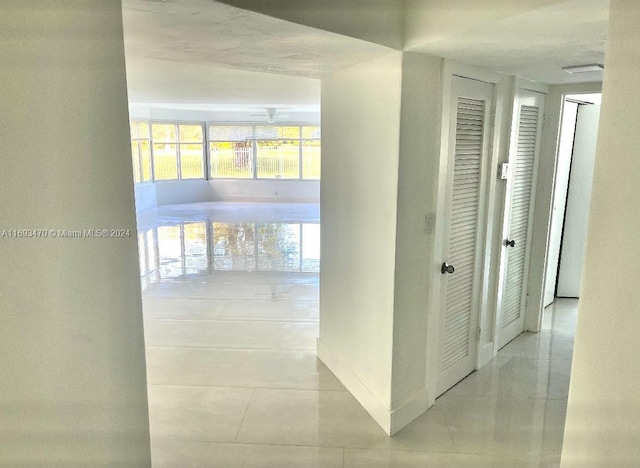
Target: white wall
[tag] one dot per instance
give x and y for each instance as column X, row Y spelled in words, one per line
column 182, row 191
column 146, row 196
column 151, row 195
column 579, row 200
column 288, row 191
column 430, row 20
column 417, row 183
column 565, row 149
column 73, row 386
column 361, row 138
column 378, row 21
column 604, row 402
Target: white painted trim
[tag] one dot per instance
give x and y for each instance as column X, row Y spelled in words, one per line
column 544, row 196
column 369, row 401
column 503, row 86
column 527, row 85
column 453, row 68
column 433, row 313
column 536, row 318
column 505, row 92
column 523, row 96
column 391, row 421
column 409, row 411
column 504, row 224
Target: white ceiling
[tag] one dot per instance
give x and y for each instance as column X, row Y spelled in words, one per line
column 204, row 55
column 190, row 53
column 534, row 45
column 170, row 84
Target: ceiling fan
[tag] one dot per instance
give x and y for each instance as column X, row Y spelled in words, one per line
column 271, row 114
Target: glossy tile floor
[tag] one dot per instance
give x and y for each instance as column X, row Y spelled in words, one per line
column 231, row 317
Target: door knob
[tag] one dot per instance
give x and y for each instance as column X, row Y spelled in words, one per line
column 510, row 243
column 447, row 268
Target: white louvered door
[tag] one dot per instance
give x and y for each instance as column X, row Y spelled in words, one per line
column 469, row 136
column 524, row 160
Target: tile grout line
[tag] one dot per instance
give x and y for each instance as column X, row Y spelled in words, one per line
column 246, row 410
column 250, row 388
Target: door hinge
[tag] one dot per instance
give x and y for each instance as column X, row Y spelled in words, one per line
column 478, row 332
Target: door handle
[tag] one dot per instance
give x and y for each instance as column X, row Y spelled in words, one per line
column 447, row 268
column 510, row 243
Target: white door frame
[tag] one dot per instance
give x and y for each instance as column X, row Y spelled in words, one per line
column 525, row 94
column 554, row 104
column 502, row 94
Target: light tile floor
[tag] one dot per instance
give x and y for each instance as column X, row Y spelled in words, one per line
column 231, row 316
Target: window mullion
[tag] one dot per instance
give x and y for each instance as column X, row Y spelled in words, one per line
column 178, row 156
column 205, row 152
column 254, row 151
column 153, row 159
column 300, row 176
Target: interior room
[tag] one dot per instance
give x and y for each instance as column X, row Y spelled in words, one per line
column 373, row 233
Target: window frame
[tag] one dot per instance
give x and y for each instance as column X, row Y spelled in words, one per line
column 206, row 142
column 254, row 142
column 177, row 143
column 138, row 139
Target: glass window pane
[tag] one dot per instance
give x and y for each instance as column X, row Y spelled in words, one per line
column 165, row 161
column 311, row 159
column 143, row 129
column 234, row 246
column 190, row 133
column 278, row 247
column 134, row 129
column 145, row 154
column 278, row 159
column 274, row 132
column 232, row 159
column 192, row 161
column 164, row 132
column 135, row 159
column 310, row 132
column 230, row 133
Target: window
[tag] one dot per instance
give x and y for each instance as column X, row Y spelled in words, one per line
column 278, row 152
column 141, row 151
column 178, row 151
column 311, row 152
column 231, row 151
column 264, row 151
column 191, row 151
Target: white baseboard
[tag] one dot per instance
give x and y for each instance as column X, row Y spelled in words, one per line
column 391, row 421
column 410, row 410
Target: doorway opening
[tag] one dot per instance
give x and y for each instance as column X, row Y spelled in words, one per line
column 571, row 196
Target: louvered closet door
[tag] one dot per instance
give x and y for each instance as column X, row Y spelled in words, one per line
column 518, row 241
column 468, row 152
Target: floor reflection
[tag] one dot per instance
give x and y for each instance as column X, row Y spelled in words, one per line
column 187, row 250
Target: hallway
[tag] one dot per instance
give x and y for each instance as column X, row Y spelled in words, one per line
column 231, row 317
